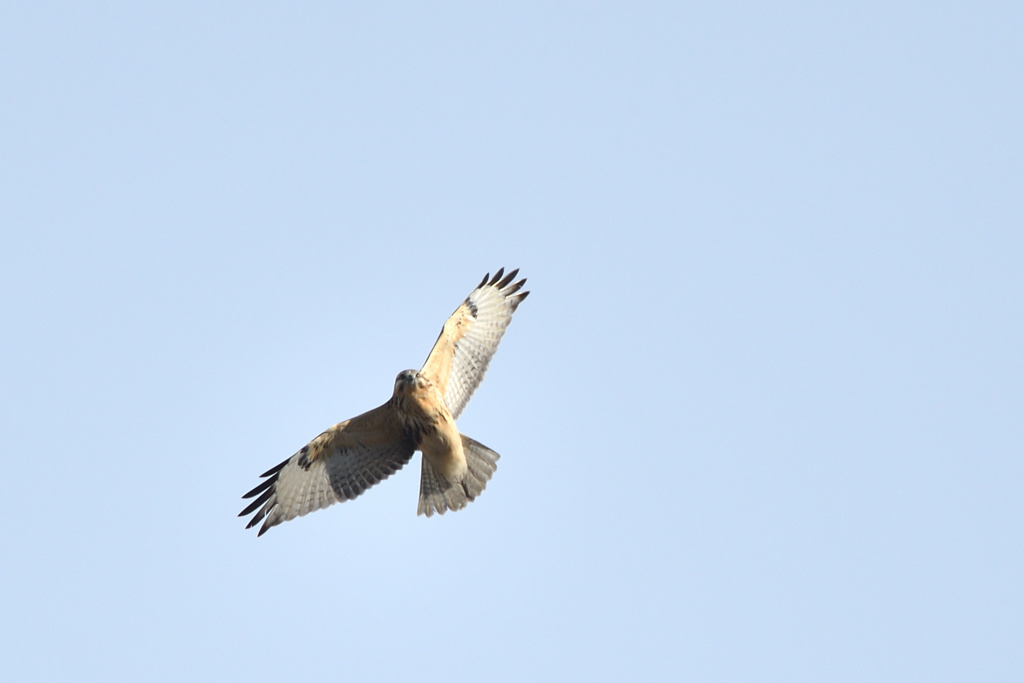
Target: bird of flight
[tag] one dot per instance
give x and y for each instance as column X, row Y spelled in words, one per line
column 353, row 455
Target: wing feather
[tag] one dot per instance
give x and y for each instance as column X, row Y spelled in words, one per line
column 338, row 465
column 468, row 340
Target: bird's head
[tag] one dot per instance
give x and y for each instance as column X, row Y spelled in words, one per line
column 408, row 381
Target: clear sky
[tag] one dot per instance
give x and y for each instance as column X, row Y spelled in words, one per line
column 761, row 419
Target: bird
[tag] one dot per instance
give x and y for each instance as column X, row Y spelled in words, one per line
column 348, row 458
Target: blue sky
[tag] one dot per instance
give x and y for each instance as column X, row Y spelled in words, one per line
column 760, row 419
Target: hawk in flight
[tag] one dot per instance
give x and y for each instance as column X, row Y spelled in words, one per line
column 353, row 455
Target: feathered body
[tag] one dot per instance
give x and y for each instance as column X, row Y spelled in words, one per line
column 352, row 456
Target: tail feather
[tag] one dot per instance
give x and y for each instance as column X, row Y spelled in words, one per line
column 439, row 495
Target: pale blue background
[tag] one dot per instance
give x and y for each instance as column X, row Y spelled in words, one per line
column 762, row 418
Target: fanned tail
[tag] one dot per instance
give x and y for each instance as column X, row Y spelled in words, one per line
column 439, row 495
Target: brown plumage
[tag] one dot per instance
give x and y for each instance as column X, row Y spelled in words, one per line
column 352, row 456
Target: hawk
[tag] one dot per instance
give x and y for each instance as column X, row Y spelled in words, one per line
column 353, row 455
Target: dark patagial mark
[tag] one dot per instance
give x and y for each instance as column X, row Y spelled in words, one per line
column 303, row 461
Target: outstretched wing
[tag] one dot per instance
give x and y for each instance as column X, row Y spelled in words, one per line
column 469, row 338
column 336, row 466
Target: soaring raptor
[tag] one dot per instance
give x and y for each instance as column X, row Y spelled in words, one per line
column 353, row 455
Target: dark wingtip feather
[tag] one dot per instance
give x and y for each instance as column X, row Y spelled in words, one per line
column 256, row 503
column 256, row 520
column 518, row 299
column 507, row 279
column 260, row 487
column 513, row 288
column 266, row 491
column 275, row 469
